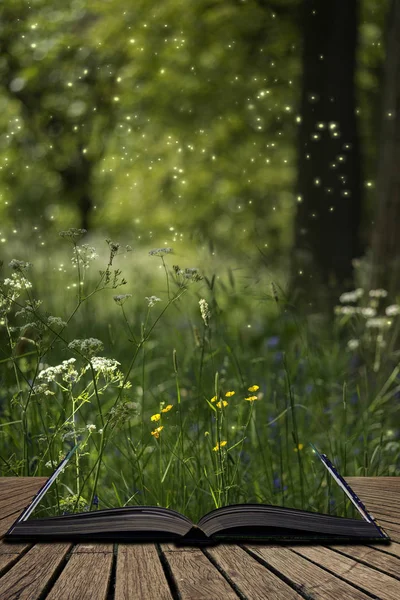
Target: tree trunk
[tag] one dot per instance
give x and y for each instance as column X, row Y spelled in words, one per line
column 329, row 187
column 77, row 186
column 385, row 241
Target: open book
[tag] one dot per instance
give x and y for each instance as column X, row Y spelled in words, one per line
column 238, row 523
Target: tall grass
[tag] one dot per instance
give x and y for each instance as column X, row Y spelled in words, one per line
column 194, row 394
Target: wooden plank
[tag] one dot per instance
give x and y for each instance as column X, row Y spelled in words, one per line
column 392, row 548
column 379, row 511
column 381, row 498
column 29, row 578
column 310, row 579
column 9, row 482
column 9, row 554
column 6, row 523
column 140, row 574
column 93, row 548
column 16, row 507
column 249, row 576
column 9, row 515
column 370, row 556
column 86, row 575
column 391, row 483
column 371, row 581
column 24, row 488
column 196, row 577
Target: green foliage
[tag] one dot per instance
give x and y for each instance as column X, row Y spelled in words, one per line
column 204, row 395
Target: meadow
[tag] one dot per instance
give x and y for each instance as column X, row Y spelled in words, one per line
column 187, row 387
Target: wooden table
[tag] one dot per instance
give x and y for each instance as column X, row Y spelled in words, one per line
column 164, row 572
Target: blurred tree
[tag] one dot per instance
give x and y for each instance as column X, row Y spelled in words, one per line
column 60, row 84
column 385, row 242
column 329, row 180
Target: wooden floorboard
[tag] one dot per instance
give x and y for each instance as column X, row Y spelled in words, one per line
column 350, row 570
column 311, row 579
column 226, row 572
column 140, row 573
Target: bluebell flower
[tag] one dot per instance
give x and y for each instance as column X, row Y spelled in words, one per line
column 277, row 481
column 272, row 342
column 95, row 500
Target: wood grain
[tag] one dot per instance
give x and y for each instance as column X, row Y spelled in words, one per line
column 249, row 576
column 196, row 577
column 374, row 582
column 313, row 581
column 33, row 573
column 370, row 556
column 140, row 574
column 254, row 572
column 85, row 576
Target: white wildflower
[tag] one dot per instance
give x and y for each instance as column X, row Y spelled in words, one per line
column 56, row 322
column 17, row 282
column 152, row 300
column 353, row 344
column 49, row 464
column 83, row 255
column 73, row 233
column 378, row 323
column 51, row 373
column 392, row 310
column 121, row 298
column 378, row 293
column 19, row 264
column 160, row 251
column 368, row 312
column 107, row 366
column 204, row 311
column 91, row 427
column 351, row 296
column 87, row 347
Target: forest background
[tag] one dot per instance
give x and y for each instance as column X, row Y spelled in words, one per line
column 257, row 138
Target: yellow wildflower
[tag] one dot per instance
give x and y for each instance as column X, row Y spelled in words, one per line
column 206, row 433
column 221, row 403
column 156, row 417
column 229, row 394
column 251, row 398
column 156, row 432
column 167, row 408
column 213, row 399
column 219, row 445
column 253, row 388
column 299, row 447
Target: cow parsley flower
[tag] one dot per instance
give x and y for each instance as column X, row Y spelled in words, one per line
column 56, row 322
column 353, row 344
column 392, row 310
column 51, row 373
column 152, row 300
column 120, row 299
column 19, row 264
column 378, row 293
column 88, row 347
column 160, row 251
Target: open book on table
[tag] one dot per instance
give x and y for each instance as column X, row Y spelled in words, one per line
column 238, row 523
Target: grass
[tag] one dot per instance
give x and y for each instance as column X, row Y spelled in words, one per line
column 209, row 405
